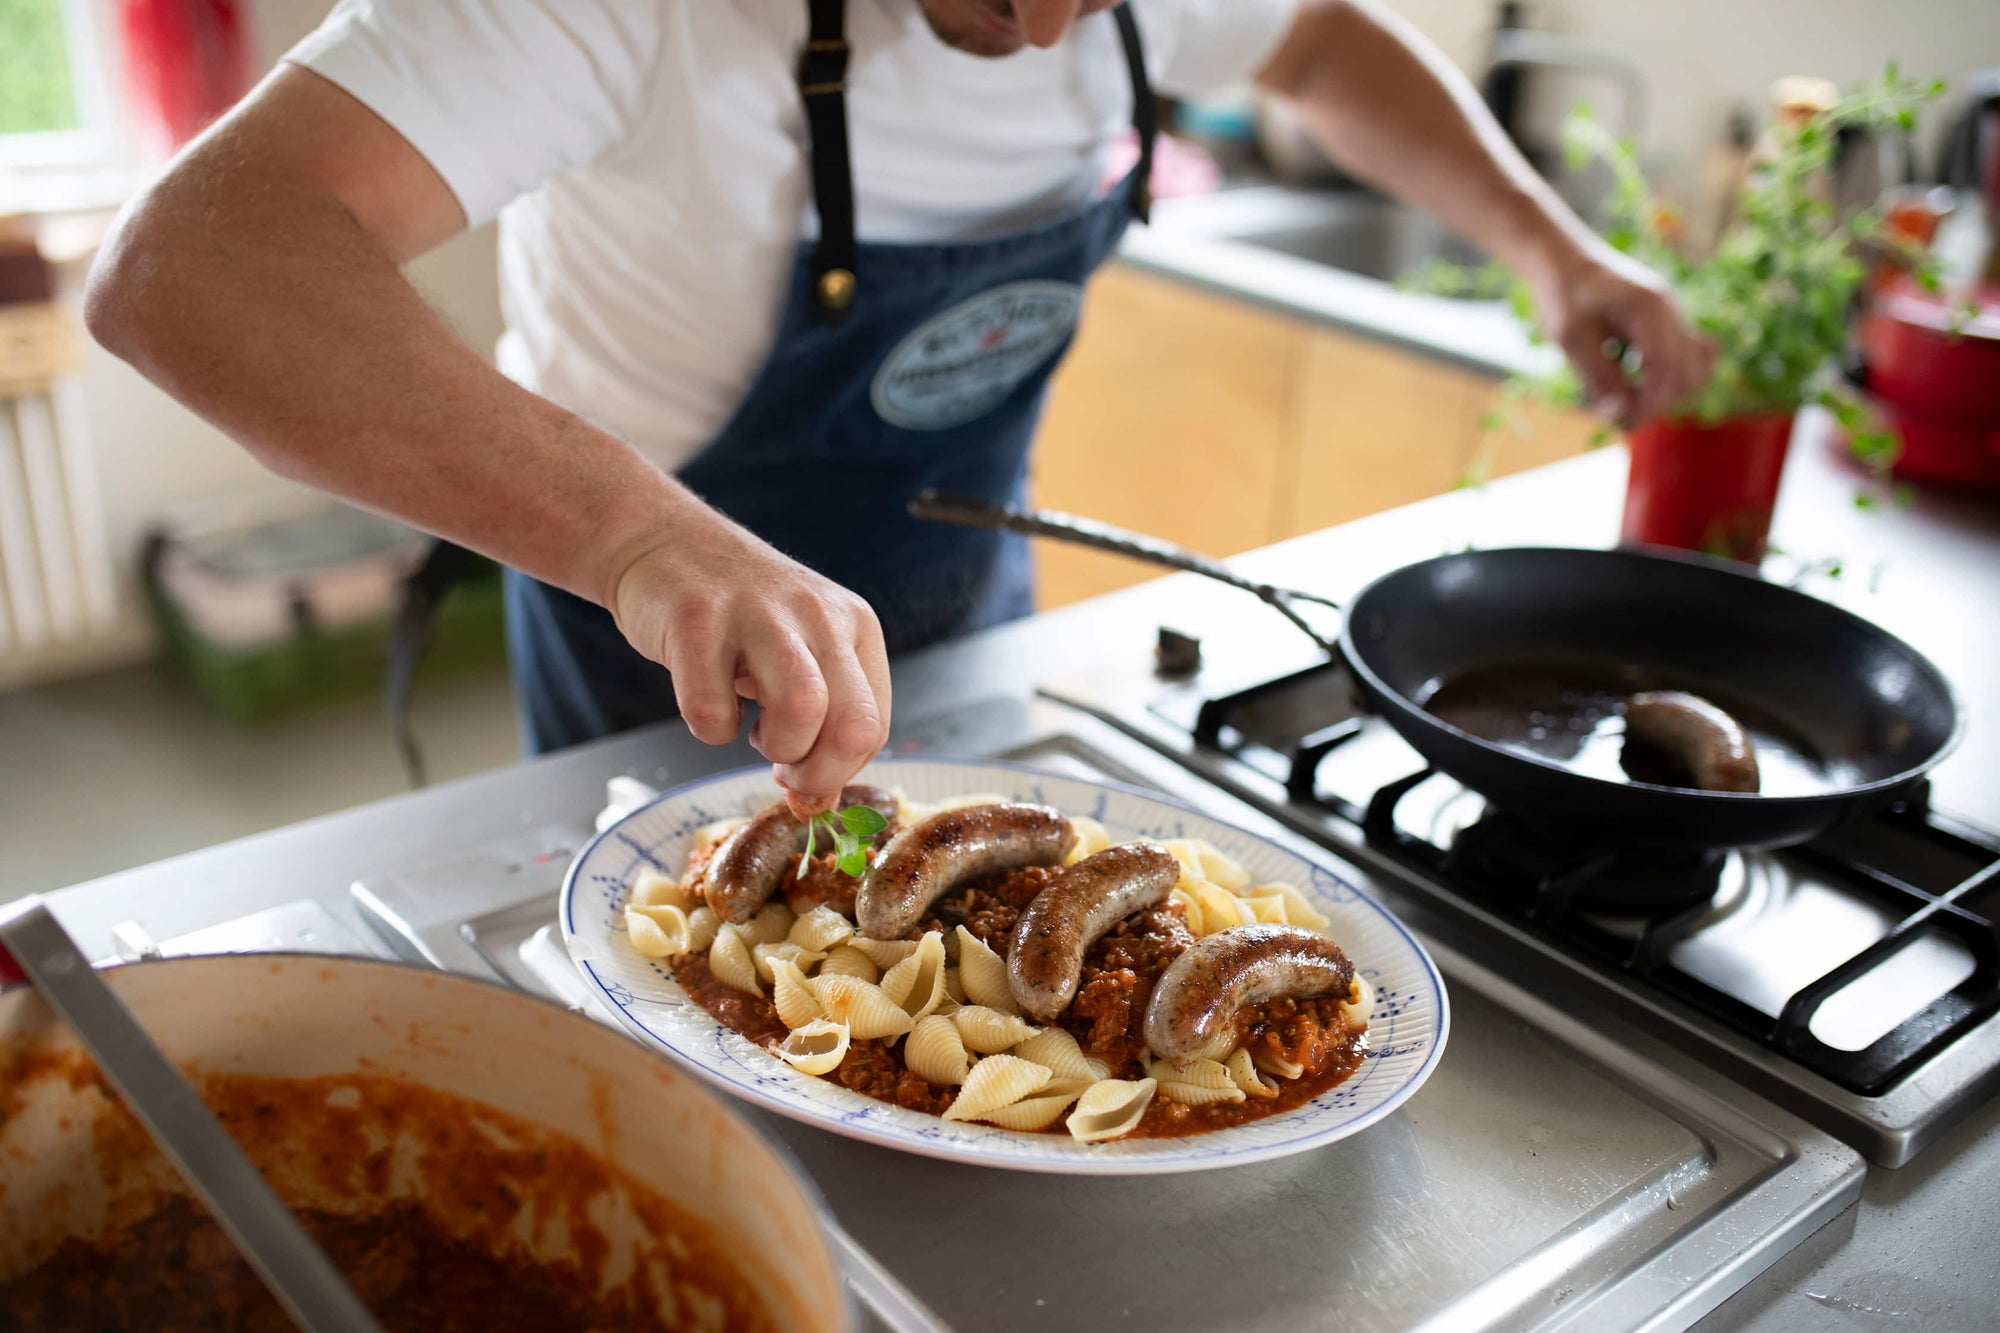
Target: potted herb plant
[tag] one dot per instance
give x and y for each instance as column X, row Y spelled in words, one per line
column 1774, row 295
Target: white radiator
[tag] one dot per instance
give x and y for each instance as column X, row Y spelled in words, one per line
column 57, row 587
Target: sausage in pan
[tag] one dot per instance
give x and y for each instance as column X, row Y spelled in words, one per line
column 1208, row 987
column 751, row 862
column 928, row 860
column 1698, row 736
column 1072, row 911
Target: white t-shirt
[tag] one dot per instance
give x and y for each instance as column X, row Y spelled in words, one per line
column 648, row 163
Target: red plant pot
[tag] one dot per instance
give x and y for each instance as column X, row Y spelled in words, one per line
column 1706, row 488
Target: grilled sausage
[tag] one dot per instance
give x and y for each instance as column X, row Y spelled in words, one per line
column 925, row 861
column 751, row 862
column 1208, row 987
column 1072, row 911
column 1702, row 739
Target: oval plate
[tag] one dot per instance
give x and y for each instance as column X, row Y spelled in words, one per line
column 1406, row 1035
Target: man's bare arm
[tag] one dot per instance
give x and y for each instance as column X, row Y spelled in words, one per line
column 258, row 282
column 1392, row 109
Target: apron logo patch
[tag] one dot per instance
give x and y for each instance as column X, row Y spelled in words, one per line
column 962, row 364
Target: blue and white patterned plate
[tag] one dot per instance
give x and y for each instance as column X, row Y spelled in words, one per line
column 1406, row 1035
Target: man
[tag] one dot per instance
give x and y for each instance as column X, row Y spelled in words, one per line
column 704, row 431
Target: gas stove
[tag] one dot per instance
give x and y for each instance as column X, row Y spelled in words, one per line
column 1855, row 980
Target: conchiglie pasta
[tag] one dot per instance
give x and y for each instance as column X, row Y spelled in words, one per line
column 1195, row 1082
column 1299, row 909
column 1091, row 839
column 764, row 954
column 1276, row 1065
column 1267, row 907
column 653, row 889
column 1218, row 1046
column 1360, row 1005
column 1058, row 1052
column 997, row 1081
column 793, row 995
column 1246, row 1076
column 1039, row 1111
column 657, row 932
column 729, row 958
column 771, row 924
column 820, row 929
column 884, row 954
column 710, row 834
column 983, row 974
column 935, row 1051
column 1219, row 909
column 1110, row 1108
column 1190, row 909
column 816, row 1048
column 846, row 960
column 862, row 1006
column 988, row 1030
column 702, row 925
column 917, row 983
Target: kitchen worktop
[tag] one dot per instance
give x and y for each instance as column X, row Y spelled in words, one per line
column 1919, row 1246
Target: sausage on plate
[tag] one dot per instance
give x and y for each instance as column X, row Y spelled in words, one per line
column 926, row 861
column 1208, row 987
column 751, row 862
column 1045, row 961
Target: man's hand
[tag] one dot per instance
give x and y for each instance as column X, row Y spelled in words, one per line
column 1596, row 304
column 733, row 619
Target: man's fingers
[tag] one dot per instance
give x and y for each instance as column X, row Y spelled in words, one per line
column 790, row 691
column 703, row 663
column 1603, row 379
column 852, row 734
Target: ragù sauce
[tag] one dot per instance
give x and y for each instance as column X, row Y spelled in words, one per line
column 1107, row 1016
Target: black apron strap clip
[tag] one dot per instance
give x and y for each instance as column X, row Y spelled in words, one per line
column 823, row 86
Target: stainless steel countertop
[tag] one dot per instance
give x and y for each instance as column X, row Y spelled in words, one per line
column 1918, row 1249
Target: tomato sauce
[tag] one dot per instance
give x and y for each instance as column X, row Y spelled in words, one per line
column 1107, row 1017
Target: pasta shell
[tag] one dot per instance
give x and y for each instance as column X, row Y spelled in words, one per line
column 793, row 994
column 1274, row 1064
column 917, row 983
column 653, row 889
column 765, row 954
column 884, row 953
column 935, row 1051
column 816, row 1048
column 846, row 960
column 983, row 973
column 771, row 924
column 702, row 925
column 1196, row 1082
column 710, row 834
column 1218, row 868
column 1058, row 1052
column 988, row 1030
column 954, row 991
column 1190, row 908
column 1360, row 1004
column 820, row 929
column 1219, row 1046
column 997, row 1081
column 1090, row 839
column 1110, row 1108
column 1267, row 907
column 657, row 932
column 1219, row 909
column 1247, row 1078
column 1299, row 909
column 730, row 960
column 862, row 1006
column 1039, row 1111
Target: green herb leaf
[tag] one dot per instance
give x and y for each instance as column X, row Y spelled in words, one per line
column 863, row 820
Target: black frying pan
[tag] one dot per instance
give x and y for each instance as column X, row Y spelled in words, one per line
column 1867, row 714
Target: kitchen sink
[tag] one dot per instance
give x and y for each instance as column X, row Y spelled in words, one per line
column 1353, row 231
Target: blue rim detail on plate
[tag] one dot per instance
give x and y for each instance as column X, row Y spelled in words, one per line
column 728, row 1061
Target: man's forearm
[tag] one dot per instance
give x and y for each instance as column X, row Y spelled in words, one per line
column 1389, row 106
column 279, row 319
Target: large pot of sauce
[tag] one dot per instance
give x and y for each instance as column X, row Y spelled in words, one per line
column 470, row 1157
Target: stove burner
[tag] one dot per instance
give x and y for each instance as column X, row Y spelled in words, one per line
column 1506, row 856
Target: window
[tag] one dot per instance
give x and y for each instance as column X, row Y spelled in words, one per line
column 52, row 96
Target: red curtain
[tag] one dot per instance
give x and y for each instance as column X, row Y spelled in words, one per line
column 186, row 62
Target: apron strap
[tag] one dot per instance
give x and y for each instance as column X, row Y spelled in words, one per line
column 823, row 88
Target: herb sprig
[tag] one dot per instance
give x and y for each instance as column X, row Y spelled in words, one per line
column 852, row 830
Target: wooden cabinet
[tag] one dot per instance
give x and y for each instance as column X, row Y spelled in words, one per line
column 1223, row 427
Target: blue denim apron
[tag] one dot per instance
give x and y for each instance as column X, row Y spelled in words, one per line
column 895, row 368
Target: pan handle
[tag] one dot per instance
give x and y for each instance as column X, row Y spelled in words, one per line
column 944, row 507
